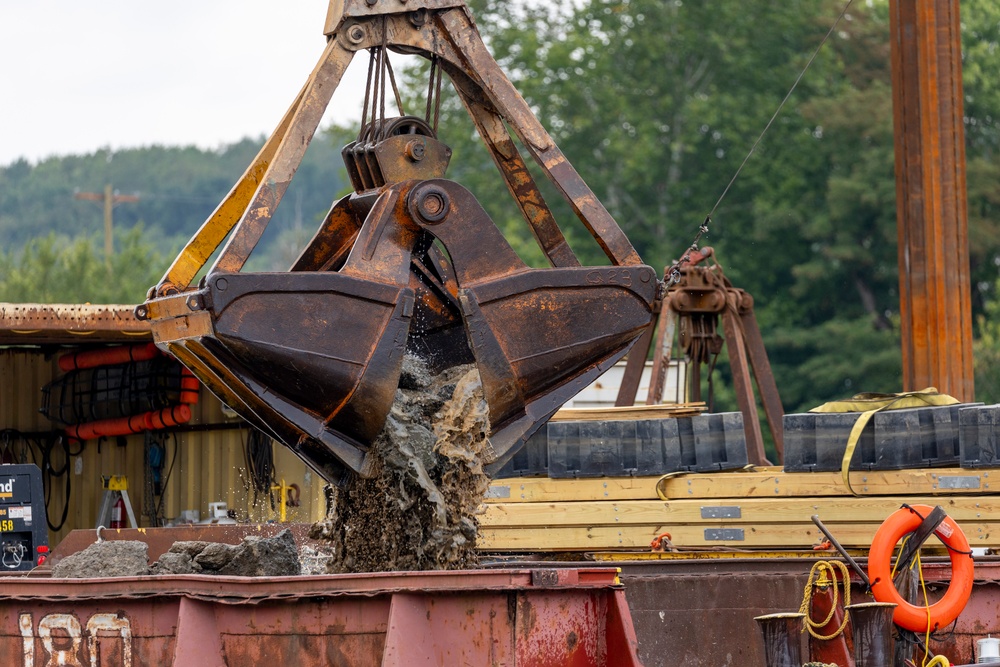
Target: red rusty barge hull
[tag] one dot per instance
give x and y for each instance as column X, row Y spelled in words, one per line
column 699, row 612
column 517, row 618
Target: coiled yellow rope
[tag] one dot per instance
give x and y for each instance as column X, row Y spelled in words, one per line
column 821, row 569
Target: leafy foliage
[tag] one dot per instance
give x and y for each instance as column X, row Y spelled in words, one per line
column 986, row 350
column 56, row 270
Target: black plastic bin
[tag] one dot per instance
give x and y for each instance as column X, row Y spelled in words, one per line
column 892, row 439
column 532, row 460
column 646, row 447
column 978, row 427
column 711, row 442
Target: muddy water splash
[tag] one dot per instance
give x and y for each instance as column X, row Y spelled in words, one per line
column 418, row 510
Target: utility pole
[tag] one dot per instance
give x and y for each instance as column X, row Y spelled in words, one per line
column 110, row 199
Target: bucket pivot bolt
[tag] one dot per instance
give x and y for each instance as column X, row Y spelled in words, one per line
column 429, row 203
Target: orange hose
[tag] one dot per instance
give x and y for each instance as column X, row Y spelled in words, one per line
column 107, row 427
column 189, row 387
column 107, row 356
column 157, row 419
column 172, row 416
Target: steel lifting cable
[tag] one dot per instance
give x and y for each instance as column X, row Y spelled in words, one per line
column 820, row 569
column 430, row 89
column 388, row 66
column 673, row 274
column 383, row 58
column 368, row 90
column 437, row 99
column 376, row 87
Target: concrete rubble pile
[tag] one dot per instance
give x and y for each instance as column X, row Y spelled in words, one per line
column 254, row 557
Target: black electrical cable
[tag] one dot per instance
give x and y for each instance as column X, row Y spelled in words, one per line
column 68, row 455
column 260, row 464
column 48, row 498
column 45, row 445
column 166, row 478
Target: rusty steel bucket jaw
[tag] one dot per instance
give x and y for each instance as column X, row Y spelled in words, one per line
column 539, row 336
column 312, row 358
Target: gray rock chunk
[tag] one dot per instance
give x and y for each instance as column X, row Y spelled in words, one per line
column 215, row 556
column 190, row 547
column 173, row 562
column 124, row 558
column 264, row 557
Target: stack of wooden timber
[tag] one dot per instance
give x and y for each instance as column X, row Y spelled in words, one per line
column 625, row 412
column 763, row 508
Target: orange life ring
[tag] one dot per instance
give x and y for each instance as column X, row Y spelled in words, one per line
column 945, row 610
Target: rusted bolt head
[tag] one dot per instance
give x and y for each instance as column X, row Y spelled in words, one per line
column 221, row 284
column 356, row 34
column 372, row 3
column 418, row 18
column 428, row 203
column 194, row 303
column 415, row 150
column 141, row 312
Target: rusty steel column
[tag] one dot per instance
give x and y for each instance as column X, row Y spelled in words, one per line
column 935, row 303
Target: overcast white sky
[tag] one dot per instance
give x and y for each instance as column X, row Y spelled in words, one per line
column 76, row 76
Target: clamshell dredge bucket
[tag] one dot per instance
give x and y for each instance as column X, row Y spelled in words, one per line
column 409, row 261
column 314, row 358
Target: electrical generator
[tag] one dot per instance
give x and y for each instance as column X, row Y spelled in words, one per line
column 24, row 539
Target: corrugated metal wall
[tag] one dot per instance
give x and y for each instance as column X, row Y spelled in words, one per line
column 208, row 466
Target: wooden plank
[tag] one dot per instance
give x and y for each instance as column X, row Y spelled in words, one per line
column 544, row 489
column 631, row 412
column 748, row 511
column 768, row 482
column 594, row 538
column 773, row 483
column 784, row 536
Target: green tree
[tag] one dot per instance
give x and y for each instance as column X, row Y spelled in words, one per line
column 987, row 349
column 58, row 270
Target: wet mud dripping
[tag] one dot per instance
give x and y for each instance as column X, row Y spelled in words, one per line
column 418, row 509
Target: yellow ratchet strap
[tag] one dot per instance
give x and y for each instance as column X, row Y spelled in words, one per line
column 870, row 403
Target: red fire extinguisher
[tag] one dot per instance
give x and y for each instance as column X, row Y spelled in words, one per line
column 118, row 513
